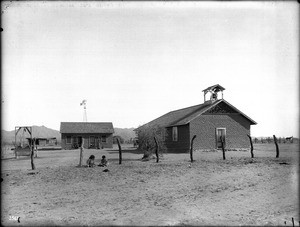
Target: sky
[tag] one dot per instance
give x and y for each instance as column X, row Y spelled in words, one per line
column 135, row 61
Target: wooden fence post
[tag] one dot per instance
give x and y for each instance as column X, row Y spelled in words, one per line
column 277, row 149
column 81, row 152
column 32, row 155
column 252, row 155
column 156, row 149
column 223, row 149
column 120, row 151
column 191, row 149
column 16, row 155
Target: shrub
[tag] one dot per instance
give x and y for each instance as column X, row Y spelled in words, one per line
column 146, row 136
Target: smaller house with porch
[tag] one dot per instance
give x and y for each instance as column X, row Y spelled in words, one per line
column 94, row 135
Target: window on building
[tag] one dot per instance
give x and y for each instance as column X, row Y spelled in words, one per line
column 103, row 139
column 92, row 141
column 163, row 133
column 69, row 139
column 75, row 140
column 175, row 133
column 220, row 135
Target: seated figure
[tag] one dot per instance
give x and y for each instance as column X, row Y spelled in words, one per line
column 91, row 161
column 103, row 162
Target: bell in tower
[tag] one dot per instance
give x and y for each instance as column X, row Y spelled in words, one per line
column 214, row 96
column 214, row 90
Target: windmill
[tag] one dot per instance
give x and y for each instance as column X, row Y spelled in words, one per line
column 83, row 103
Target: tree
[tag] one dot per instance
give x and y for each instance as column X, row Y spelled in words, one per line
column 146, row 140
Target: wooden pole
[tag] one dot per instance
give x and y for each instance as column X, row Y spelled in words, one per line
column 32, row 150
column 36, row 148
column 277, row 149
column 252, row 155
column 81, row 152
column 32, row 157
column 120, row 152
column 223, row 149
column 156, row 149
column 191, row 149
column 16, row 142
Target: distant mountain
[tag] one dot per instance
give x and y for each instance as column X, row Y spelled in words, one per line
column 125, row 133
column 8, row 137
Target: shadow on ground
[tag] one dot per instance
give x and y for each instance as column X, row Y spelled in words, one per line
column 132, row 151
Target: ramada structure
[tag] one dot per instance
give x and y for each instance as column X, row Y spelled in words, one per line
column 92, row 134
column 210, row 121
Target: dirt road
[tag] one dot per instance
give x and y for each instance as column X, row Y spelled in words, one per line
column 210, row 191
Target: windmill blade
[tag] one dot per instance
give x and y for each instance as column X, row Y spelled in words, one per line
column 83, row 102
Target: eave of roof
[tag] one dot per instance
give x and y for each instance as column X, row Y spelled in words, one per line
column 42, row 138
column 253, row 122
column 215, row 86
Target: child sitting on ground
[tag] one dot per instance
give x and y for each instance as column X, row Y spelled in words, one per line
column 103, row 162
column 91, row 161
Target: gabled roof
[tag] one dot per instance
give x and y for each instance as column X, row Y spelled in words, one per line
column 186, row 115
column 86, row 127
column 217, row 87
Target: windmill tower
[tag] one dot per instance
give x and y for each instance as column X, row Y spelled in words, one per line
column 83, row 103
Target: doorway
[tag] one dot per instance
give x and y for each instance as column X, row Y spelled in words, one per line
column 79, row 141
column 220, row 133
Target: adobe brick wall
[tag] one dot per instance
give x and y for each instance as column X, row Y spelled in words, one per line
column 237, row 128
column 183, row 142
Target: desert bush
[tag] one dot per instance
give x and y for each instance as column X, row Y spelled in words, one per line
column 279, row 140
column 146, row 136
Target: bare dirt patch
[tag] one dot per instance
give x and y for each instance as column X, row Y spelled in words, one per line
column 235, row 191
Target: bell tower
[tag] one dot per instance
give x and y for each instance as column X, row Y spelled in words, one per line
column 213, row 90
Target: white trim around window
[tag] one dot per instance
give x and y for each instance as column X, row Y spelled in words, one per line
column 103, row 139
column 68, row 139
column 174, row 133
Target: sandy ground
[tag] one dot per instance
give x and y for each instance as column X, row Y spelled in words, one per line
column 209, row 191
